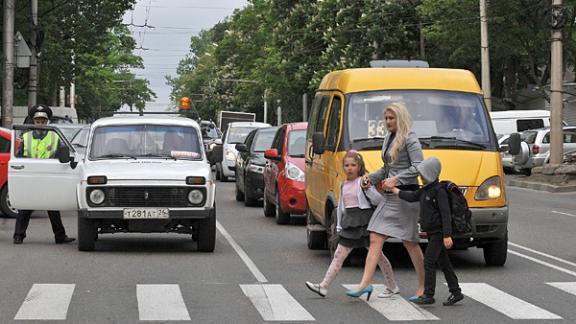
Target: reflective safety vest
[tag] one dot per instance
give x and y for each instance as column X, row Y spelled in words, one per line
column 44, row 148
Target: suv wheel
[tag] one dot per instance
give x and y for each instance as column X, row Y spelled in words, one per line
column 239, row 194
column 5, row 205
column 207, row 233
column 269, row 209
column 316, row 239
column 87, row 233
column 282, row 218
column 495, row 254
column 248, row 200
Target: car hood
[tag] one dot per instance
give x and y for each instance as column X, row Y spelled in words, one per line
column 147, row 169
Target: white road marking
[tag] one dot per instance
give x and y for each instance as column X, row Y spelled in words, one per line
column 543, row 254
column 396, row 308
column 561, row 213
column 569, row 287
column 274, row 303
column 249, row 263
column 544, row 263
column 161, row 303
column 504, row 303
column 46, row 302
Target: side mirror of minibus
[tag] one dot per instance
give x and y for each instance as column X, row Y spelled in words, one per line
column 318, row 142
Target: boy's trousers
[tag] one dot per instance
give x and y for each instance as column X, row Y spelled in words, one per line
column 436, row 254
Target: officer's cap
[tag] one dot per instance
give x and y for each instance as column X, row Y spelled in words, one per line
column 40, row 111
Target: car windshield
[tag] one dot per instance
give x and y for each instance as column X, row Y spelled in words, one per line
column 296, row 143
column 263, row 140
column 145, row 141
column 238, row 135
column 441, row 119
column 209, row 132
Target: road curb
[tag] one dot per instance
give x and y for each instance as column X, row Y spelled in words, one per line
column 541, row 186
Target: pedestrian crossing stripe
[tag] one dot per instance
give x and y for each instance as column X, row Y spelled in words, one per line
column 505, row 303
column 274, row 303
column 161, row 303
column 46, row 302
column 569, row 287
column 396, row 308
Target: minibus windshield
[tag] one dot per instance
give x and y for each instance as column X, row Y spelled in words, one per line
column 440, row 119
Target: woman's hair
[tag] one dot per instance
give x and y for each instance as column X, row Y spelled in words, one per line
column 353, row 154
column 404, row 124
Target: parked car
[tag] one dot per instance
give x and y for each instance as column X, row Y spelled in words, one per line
column 451, row 122
column 5, row 206
column 140, row 174
column 236, row 133
column 538, row 153
column 250, row 165
column 515, row 121
column 284, row 174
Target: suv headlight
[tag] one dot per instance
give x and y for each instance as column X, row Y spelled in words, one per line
column 294, row 173
column 256, row 168
column 97, row 196
column 230, row 156
column 489, row 189
column 195, row 196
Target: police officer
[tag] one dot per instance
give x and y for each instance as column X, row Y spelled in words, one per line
column 40, row 144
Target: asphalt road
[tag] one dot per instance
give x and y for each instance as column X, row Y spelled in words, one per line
column 258, row 270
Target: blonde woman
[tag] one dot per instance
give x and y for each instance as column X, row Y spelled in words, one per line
column 394, row 217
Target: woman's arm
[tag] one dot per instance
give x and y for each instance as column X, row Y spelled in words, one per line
column 415, row 155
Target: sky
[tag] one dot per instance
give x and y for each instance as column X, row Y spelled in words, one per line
column 163, row 46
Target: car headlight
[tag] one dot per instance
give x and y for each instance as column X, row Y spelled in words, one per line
column 489, row 189
column 230, row 156
column 97, row 196
column 256, row 168
column 294, row 173
column 195, row 196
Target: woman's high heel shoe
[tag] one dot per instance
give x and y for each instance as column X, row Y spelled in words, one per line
column 359, row 293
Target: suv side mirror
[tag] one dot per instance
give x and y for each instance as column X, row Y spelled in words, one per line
column 318, row 142
column 514, row 144
column 241, row 147
column 272, row 154
column 64, row 155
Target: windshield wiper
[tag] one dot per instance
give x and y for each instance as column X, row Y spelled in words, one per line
column 456, row 140
column 116, row 156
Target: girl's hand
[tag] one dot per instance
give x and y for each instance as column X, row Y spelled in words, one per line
column 448, row 242
column 365, row 183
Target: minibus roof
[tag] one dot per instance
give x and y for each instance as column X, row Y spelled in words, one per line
column 373, row 79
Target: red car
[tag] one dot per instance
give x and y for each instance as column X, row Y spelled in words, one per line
column 5, row 140
column 284, row 174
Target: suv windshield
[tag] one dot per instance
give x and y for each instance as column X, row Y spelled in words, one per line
column 238, row 135
column 441, row 119
column 145, row 141
column 263, row 140
column 296, row 143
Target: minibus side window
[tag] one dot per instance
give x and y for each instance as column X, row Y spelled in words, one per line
column 334, row 124
column 322, row 115
column 313, row 115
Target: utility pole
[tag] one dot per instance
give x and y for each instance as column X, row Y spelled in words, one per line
column 304, row 107
column 33, row 73
column 422, row 41
column 8, row 48
column 265, row 105
column 556, row 87
column 485, row 54
column 278, row 113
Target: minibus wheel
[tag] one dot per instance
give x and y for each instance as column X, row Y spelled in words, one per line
column 495, row 254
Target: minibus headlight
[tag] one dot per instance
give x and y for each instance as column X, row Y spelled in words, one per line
column 489, row 189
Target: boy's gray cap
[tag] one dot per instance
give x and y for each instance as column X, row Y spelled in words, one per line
column 430, row 169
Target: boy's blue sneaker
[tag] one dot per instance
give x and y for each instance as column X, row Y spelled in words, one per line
column 422, row 300
column 453, row 299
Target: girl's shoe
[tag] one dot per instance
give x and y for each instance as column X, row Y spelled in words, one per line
column 316, row 288
column 359, row 293
column 389, row 293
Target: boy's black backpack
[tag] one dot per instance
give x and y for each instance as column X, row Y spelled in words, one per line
column 461, row 214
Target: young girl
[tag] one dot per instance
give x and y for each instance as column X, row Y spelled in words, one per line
column 353, row 214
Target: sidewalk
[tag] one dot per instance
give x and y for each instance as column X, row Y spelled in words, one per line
column 529, row 183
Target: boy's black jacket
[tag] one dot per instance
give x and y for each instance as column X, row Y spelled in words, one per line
column 435, row 214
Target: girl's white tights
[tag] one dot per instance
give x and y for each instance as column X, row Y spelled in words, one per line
column 342, row 253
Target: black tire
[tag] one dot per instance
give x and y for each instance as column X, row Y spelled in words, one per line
column 239, row 194
column 526, row 172
column 316, row 239
column 207, row 233
column 495, row 254
column 87, row 233
column 282, row 218
column 5, row 206
column 269, row 209
column 331, row 235
column 217, row 172
column 248, row 200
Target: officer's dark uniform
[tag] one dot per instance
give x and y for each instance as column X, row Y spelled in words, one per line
column 38, row 144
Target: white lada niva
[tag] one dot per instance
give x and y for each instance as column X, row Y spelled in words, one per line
column 144, row 174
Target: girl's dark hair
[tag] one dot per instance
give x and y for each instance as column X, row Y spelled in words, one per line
column 352, row 154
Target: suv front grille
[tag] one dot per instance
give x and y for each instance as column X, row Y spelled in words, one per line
column 145, row 196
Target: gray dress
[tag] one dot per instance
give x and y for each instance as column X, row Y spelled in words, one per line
column 395, row 217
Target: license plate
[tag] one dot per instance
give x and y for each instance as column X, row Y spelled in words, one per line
column 146, row 213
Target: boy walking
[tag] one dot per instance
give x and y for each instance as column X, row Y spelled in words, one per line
column 436, row 221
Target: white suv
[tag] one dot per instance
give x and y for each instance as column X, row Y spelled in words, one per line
column 146, row 174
